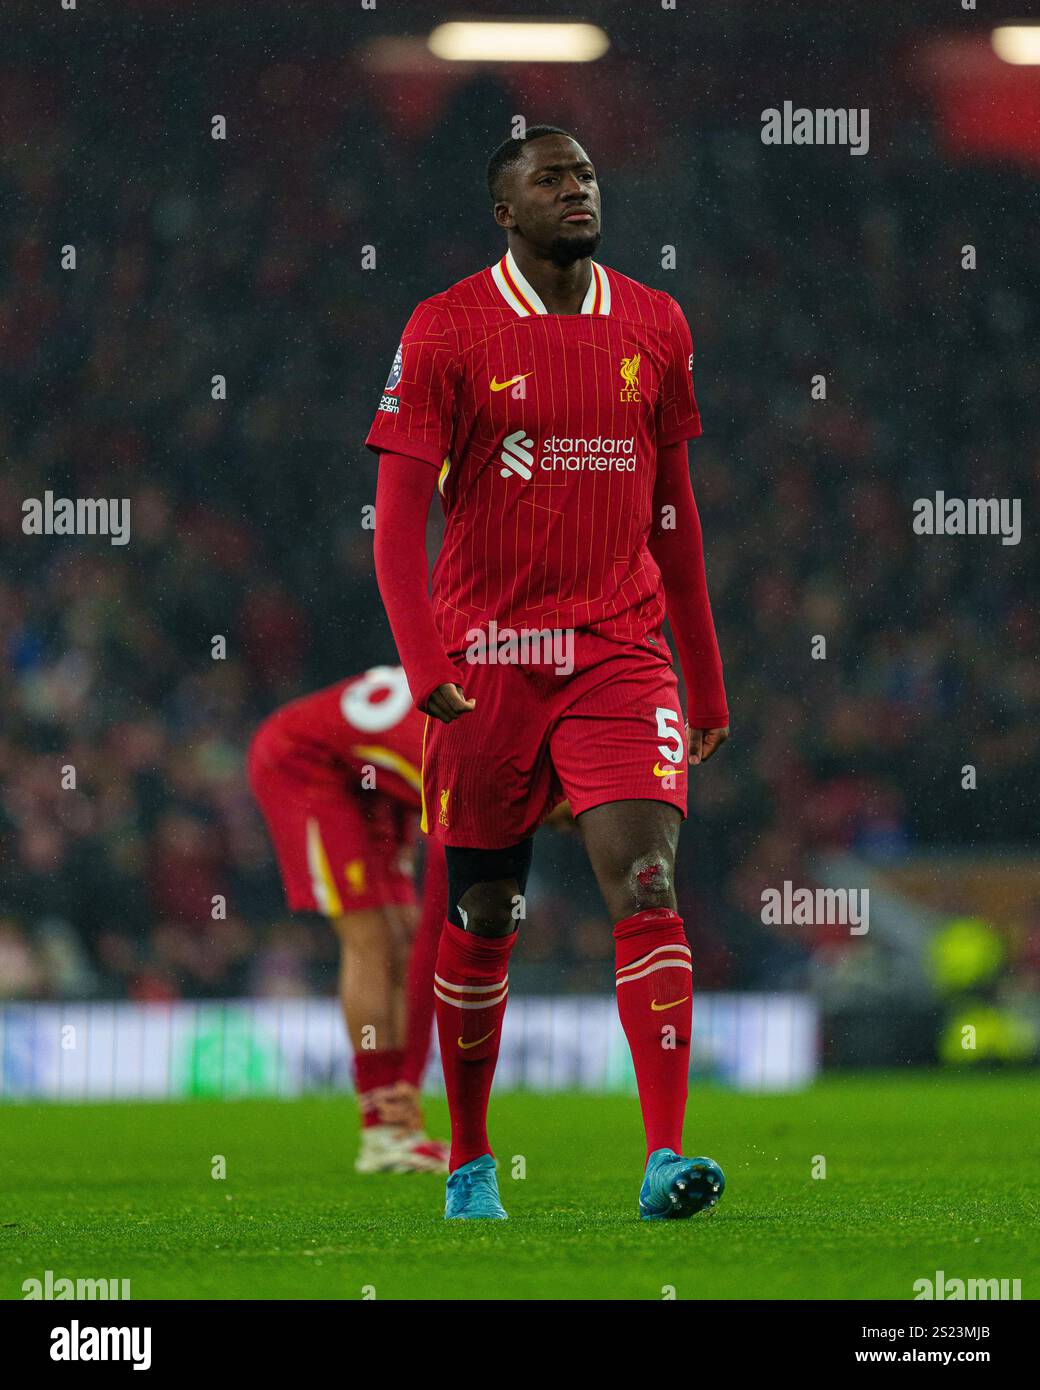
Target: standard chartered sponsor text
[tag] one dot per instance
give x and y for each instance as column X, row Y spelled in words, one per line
column 594, row 455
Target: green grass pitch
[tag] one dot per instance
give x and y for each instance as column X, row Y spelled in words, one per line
column 923, row 1172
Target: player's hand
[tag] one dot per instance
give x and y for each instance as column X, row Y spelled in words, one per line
column 702, row 743
column 448, row 702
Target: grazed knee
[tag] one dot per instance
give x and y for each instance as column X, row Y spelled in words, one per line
column 649, row 881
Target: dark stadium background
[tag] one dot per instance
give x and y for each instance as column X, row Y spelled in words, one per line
column 243, row 258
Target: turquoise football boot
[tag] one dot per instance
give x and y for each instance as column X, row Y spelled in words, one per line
column 676, row 1187
column 472, row 1193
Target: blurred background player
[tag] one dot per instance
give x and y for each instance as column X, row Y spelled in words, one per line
column 336, row 775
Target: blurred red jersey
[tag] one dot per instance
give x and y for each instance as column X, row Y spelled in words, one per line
column 337, row 777
column 545, row 429
column 364, row 721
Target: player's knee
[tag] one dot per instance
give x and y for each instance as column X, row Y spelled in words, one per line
column 490, row 909
column 485, row 888
column 362, row 933
column 649, row 881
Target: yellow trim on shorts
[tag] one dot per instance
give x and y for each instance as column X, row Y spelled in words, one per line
column 424, row 824
column 323, row 884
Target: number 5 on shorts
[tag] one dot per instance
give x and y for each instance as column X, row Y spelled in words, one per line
column 673, row 748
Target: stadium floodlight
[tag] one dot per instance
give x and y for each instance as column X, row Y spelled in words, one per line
column 518, row 41
column 1017, row 43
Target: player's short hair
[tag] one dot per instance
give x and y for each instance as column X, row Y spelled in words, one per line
column 509, row 152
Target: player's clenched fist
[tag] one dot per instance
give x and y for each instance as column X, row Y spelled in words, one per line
column 702, row 743
column 447, row 702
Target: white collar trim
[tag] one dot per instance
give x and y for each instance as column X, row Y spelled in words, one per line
column 523, row 299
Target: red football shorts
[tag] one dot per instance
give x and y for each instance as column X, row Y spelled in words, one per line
column 611, row 729
column 340, row 849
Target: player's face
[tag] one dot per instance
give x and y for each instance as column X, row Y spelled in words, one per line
column 553, row 199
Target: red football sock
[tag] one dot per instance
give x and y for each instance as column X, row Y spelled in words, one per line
column 655, row 1001
column 421, row 964
column 471, row 985
column 373, row 1071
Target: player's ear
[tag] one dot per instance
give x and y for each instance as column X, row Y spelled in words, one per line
column 503, row 215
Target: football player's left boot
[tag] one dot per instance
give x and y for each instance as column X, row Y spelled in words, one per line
column 472, row 1193
column 675, row 1187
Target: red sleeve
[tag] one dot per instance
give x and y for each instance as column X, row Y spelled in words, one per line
column 678, row 548
column 403, row 494
column 416, row 414
column 676, row 411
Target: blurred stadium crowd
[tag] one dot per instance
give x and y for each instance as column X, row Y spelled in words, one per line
column 242, row 258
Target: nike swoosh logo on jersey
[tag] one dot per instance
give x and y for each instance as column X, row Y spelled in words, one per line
column 497, row 385
column 660, row 1008
column 669, row 771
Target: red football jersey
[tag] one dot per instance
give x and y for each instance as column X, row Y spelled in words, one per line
column 545, row 429
column 366, row 719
